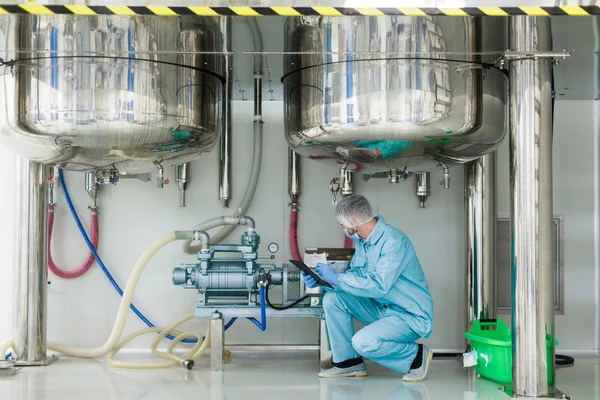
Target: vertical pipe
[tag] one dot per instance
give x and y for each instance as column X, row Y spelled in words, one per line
column 480, row 176
column 183, row 179
column 596, row 24
column 294, row 191
column 324, row 348
column 31, row 279
column 531, row 208
column 423, row 188
column 225, row 144
column 293, row 175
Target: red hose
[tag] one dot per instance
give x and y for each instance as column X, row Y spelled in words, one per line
column 90, row 259
column 294, row 233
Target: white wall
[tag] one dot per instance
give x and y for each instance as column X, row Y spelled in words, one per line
column 133, row 214
column 573, row 179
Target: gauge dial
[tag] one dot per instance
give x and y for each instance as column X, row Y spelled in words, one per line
column 273, row 247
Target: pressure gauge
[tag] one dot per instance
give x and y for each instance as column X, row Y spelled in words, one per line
column 273, row 248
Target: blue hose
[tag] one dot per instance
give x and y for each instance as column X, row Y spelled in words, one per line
column 9, row 355
column 99, row 260
column 231, row 321
column 262, row 325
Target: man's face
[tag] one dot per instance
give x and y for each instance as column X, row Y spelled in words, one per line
column 351, row 231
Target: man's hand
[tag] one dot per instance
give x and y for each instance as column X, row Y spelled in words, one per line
column 309, row 280
column 328, row 275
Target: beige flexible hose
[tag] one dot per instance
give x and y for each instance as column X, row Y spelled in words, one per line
column 171, row 359
column 112, row 344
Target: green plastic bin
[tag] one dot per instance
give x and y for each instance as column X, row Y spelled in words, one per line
column 492, row 340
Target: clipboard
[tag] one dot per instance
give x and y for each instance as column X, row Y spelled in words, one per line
column 303, row 267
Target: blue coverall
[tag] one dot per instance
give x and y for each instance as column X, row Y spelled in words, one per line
column 385, row 289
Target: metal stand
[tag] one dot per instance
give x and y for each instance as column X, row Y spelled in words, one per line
column 531, row 207
column 480, row 178
column 324, row 350
column 31, row 276
column 217, row 342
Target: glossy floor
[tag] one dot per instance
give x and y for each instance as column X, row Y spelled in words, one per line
column 267, row 376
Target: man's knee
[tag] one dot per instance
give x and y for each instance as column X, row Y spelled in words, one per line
column 332, row 300
column 365, row 343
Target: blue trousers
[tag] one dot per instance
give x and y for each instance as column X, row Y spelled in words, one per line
column 386, row 339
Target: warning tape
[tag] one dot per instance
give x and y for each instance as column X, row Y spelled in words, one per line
column 39, row 9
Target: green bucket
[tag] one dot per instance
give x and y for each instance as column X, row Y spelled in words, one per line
column 492, row 340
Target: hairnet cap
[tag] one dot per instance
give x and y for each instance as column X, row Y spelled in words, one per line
column 353, row 211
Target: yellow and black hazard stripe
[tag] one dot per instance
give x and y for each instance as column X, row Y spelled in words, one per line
column 294, row 11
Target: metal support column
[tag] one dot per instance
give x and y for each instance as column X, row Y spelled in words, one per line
column 217, row 342
column 480, row 193
column 324, row 350
column 225, row 143
column 31, row 277
column 531, row 206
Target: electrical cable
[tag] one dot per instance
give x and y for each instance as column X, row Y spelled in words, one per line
column 286, row 307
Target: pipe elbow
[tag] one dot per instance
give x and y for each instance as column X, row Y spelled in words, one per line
column 202, row 237
column 248, row 222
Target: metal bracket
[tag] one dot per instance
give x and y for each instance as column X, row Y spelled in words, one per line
column 511, row 55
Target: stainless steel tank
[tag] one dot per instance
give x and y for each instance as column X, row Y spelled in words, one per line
column 110, row 91
column 393, row 92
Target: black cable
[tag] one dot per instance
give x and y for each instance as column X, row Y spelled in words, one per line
column 291, row 305
column 561, row 359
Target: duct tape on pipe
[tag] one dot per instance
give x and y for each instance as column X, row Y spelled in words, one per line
column 168, row 11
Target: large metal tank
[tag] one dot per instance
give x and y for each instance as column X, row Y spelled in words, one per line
column 110, row 91
column 393, row 92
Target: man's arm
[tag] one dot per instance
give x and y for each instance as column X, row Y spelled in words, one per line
column 375, row 284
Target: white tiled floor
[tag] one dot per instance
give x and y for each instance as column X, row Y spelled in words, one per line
column 267, row 376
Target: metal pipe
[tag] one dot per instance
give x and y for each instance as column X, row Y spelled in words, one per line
column 215, row 222
column 182, row 177
column 423, row 188
column 294, row 176
column 446, row 179
column 204, row 239
column 531, row 208
column 92, row 187
column 248, row 222
column 257, row 41
column 346, row 180
column 160, row 174
column 225, row 144
column 31, row 278
column 596, row 24
column 480, row 191
column 217, row 342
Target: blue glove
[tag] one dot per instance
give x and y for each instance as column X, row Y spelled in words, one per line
column 309, row 280
column 328, row 275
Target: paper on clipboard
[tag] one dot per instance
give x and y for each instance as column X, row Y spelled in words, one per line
column 312, row 260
